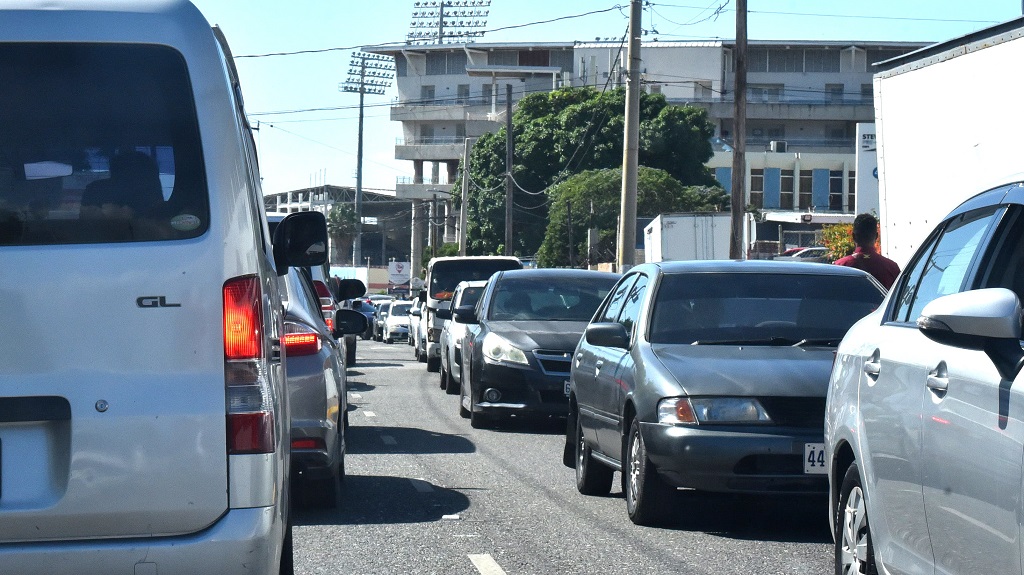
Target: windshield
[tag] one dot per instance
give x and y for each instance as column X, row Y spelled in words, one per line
column 768, row 309
column 561, row 299
column 446, row 274
column 400, row 309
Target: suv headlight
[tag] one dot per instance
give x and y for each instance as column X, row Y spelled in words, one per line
column 720, row 410
column 497, row 348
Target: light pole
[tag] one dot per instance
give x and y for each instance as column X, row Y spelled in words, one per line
column 369, row 74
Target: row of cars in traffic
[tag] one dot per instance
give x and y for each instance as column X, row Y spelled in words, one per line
column 774, row 377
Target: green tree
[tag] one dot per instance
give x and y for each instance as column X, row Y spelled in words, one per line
column 341, row 227
column 565, row 132
column 598, row 192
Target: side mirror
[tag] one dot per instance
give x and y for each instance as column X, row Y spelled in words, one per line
column 443, row 313
column 347, row 289
column 607, row 335
column 466, row 314
column 415, row 312
column 422, row 297
column 986, row 320
column 300, row 240
column 348, row 321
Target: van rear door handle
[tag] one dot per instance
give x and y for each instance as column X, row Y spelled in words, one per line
column 936, row 383
column 597, row 367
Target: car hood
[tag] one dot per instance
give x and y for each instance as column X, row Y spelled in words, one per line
column 529, row 335
column 747, row 370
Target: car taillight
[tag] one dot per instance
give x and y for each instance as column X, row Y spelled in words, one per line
column 300, row 341
column 308, row 443
column 250, row 413
column 326, row 299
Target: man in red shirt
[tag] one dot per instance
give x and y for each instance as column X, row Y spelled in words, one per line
column 865, row 233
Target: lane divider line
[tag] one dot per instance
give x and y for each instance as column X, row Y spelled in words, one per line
column 486, row 565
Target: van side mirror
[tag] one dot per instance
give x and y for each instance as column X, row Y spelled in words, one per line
column 300, row 240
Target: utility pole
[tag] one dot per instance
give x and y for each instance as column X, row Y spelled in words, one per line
column 369, row 73
column 509, row 185
column 737, row 250
column 568, row 227
column 626, row 256
column 463, row 214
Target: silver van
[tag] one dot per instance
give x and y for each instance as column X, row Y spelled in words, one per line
column 145, row 428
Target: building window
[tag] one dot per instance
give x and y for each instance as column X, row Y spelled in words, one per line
column 835, row 190
column 463, row 94
column 654, row 88
column 867, row 93
column 427, row 94
column 426, row 134
column 455, row 63
column 822, row 61
column 702, row 90
column 757, row 188
column 401, row 67
column 437, row 64
column 503, row 58
column 785, row 60
column 534, row 58
column 806, row 188
column 757, row 60
column 765, row 92
column 786, row 190
column 834, row 93
column 562, row 59
column 486, row 93
column 851, row 186
column 460, row 132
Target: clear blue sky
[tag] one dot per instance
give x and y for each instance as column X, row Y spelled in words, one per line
column 308, row 148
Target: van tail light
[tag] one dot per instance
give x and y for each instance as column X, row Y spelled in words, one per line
column 298, row 340
column 250, row 412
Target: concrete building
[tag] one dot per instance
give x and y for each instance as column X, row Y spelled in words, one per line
column 805, row 100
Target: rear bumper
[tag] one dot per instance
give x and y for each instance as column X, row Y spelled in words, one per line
column 243, row 541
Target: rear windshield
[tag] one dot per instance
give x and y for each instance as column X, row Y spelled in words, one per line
column 770, row 309
column 446, row 274
column 98, row 143
column 402, row 309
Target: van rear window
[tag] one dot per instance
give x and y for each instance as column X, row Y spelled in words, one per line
column 98, row 143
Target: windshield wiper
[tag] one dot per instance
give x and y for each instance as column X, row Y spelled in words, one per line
column 826, row 341
column 762, row 341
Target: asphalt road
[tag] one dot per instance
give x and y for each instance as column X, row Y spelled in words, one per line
column 426, row 494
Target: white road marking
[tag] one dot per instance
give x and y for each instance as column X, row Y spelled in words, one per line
column 486, row 565
column 388, row 440
column 421, row 486
column 355, row 396
column 369, row 414
column 455, row 517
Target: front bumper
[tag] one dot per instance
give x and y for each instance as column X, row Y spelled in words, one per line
column 524, row 390
column 739, row 460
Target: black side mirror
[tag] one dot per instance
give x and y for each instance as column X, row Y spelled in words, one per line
column 466, row 314
column 346, row 289
column 443, row 313
column 348, row 321
column 300, row 240
column 607, row 335
column 422, row 297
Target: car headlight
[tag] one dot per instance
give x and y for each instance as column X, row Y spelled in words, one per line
column 721, row 410
column 497, row 348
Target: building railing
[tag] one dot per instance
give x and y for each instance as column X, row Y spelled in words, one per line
column 418, row 181
column 431, row 141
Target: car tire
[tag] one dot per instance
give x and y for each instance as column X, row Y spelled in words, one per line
column 287, row 565
column 592, row 477
column 462, row 395
column 855, row 554
column 444, row 376
column 647, row 495
column 433, row 363
column 389, row 341
column 451, row 387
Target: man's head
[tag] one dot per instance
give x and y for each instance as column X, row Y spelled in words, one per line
column 865, row 230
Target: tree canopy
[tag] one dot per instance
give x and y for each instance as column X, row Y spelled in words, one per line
column 561, row 133
column 594, row 197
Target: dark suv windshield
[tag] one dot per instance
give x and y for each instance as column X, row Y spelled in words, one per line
column 98, row 143
column 770, row 309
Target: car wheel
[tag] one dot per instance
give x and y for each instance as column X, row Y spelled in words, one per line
column 462, row 394
column 433, row 363
column 451, row 387
column 647, row 496
column 389, row 340
column 444, row 376
column 287, row 566
column 592, row 477
column 855, row 555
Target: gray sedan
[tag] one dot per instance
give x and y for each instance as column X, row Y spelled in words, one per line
column 712, row 376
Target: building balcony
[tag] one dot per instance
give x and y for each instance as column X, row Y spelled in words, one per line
column 407, row 188
column 451, row 110
column 430, row 149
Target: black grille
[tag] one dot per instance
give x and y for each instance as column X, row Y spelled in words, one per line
column 807, row 412
column 553, row 361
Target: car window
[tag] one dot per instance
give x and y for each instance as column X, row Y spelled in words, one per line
column 561, row 299
column 770, row 309
column 944, row 268
column 104, row 148
column 610, row 312
column 632, row 304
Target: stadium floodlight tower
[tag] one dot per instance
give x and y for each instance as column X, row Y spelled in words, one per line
column 447, row 21
column 368, row 74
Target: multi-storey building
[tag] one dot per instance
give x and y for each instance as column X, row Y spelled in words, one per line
column 804, row 101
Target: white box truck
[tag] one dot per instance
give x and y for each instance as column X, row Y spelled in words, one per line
column 695, row 236
column 948, row 122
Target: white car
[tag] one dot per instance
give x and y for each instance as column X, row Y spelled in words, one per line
column 466, row 293
column 396, row 324
column 924, row 434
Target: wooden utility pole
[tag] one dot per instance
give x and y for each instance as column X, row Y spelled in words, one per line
column 737, row 249
column 626, row 249
column 509, row 185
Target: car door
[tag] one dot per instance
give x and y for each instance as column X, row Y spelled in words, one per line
column 595, row 408
column 898, row 394
column 617, row 380
column 972, row 431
